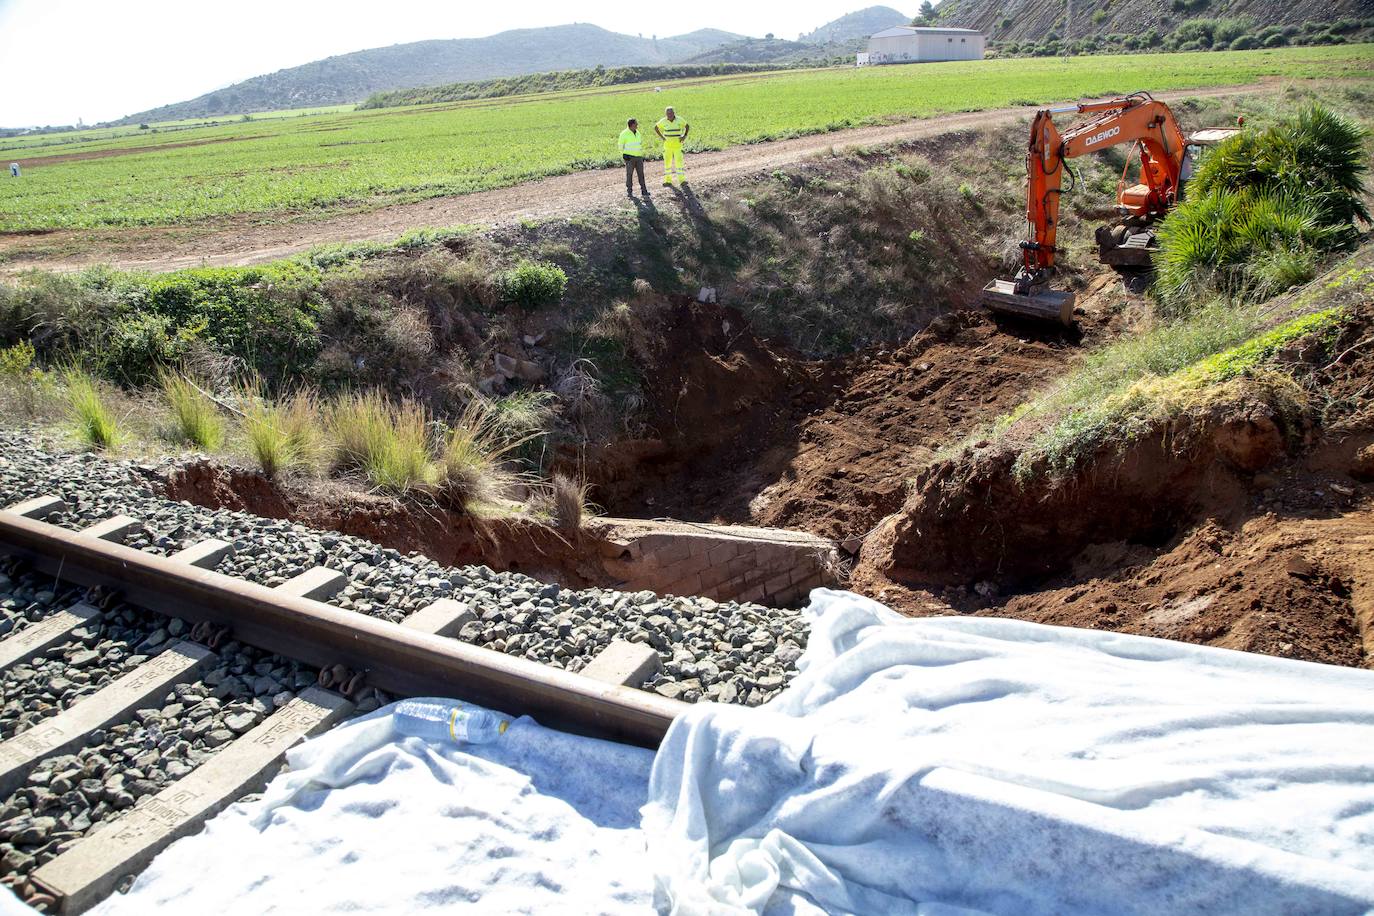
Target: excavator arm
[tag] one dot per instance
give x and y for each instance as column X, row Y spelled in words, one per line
column 1137, row 119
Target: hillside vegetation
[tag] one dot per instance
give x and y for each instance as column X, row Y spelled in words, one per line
column 1038, row 21
column 860, row 24
column 310, row 165
column 521, row 52
column 353, row 77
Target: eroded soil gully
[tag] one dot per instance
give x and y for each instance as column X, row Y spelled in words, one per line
column 750, row 433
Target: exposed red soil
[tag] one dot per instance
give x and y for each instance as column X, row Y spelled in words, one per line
column 717, row 394
column 868, row 424
column 1228, row 529
column 450, row 538
column 1274, row 585
column 751, row 433
column 1236, row 526
column 971, row 519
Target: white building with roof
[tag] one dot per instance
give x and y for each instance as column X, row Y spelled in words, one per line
column 907, row 44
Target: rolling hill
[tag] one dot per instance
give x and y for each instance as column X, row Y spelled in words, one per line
column 349, row 78
column 353, row 77
column 859, row 24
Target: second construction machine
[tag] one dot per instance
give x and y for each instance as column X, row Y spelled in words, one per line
column 1165, row 162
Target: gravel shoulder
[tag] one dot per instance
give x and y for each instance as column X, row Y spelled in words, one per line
column 250, row 240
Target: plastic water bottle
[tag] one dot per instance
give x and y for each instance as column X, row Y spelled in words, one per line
column 448, row 722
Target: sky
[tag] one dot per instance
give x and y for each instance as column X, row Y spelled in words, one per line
column 98, row 60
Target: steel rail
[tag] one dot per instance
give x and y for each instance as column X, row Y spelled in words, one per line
column 396, row 659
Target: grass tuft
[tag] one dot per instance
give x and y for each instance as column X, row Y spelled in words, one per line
column 196, row 420
column 387, row 441
column 285, row 435
column 568, row 501
column 92, row 419
column 472, row 471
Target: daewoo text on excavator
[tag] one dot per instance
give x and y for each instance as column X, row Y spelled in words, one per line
column 1166, row 160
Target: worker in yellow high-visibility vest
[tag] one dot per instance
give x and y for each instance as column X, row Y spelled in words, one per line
column 632, row 151
column 673, row 131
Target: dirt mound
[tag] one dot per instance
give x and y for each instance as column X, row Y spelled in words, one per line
column 971, row 519
column 1275, row 585
column 1227, row 528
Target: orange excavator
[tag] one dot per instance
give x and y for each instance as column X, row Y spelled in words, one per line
column 1165, row 158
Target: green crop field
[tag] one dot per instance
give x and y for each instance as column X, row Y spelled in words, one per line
column 318, row 163
column 89, row 138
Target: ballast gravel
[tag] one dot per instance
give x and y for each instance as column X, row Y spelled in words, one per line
column 725, row 652
column 68, row 796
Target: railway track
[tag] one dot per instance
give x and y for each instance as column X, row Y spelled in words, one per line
column 145, row 693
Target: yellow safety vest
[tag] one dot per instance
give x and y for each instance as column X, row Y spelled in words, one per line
column 672, row 130
column 631, row 143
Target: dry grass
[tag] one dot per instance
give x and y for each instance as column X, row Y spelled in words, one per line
column 568, row 501
column 385, row 440
column 472, row 469
column 286, row 435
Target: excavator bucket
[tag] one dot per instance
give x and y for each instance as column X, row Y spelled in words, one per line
column 1049, row 305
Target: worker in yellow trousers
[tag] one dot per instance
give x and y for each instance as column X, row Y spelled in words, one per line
column 673, row 131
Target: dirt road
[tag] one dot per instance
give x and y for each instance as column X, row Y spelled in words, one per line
column 248, row 240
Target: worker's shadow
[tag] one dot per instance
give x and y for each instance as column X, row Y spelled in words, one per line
column 710, row 243
column 714, row 241
column 689, row 199
column 654, row 245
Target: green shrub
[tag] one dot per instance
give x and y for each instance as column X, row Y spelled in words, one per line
column 1226, row 31
column 140, row 346
column 196, row 419
column 264, row 316
column 422, row 239
column 17, row 361
column 1245, row 43
column 1261, row 209
column 1219, row 241
column 92, row 420
column 531, row 285
column 59, row 313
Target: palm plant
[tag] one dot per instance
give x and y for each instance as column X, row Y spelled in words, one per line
column 1315, row 156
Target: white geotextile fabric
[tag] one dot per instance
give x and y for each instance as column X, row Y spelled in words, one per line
column 369, row 821
column 1008, row 767
column 932, row 766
